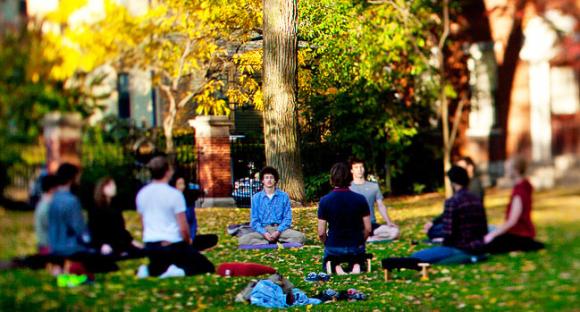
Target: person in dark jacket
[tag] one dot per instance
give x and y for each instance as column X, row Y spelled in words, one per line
column 107, row 225
column 464, row 223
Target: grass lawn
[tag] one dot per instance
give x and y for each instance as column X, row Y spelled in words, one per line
column 543, row 281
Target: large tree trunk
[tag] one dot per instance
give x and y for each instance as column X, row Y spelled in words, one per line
column 280, row 89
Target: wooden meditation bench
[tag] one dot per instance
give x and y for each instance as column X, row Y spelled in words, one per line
column 405, row 263
column 364, row 260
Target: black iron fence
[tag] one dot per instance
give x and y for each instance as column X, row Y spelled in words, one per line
column 247, row 159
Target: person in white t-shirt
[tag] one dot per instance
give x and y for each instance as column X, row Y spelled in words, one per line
column 165, row 228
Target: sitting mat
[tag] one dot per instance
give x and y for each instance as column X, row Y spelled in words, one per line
column 270, row 246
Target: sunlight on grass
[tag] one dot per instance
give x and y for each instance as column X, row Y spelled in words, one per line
column 541, row 281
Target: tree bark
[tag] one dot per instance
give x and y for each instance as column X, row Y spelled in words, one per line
column 169, row 119
column 280, row 89
column 447, row 143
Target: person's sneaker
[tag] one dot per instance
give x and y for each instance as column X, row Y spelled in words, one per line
column 327, row 295
column 355, row 295
column 323, row 277
column 173, row 271
column 143, row 271
column 77, row 280
column 71, row 280
column 311, row 277
column 233, row 229
column 62, row 280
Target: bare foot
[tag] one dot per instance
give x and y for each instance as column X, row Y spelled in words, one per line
column 356, row 268
column 339, row 270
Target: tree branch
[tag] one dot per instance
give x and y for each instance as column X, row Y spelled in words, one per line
column 181, row 64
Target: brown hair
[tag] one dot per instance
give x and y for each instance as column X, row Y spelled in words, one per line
column 355, row 160
column 520, row 165
column 340, row 175
column 158, row 166
column 101, row 199
column 269, row 170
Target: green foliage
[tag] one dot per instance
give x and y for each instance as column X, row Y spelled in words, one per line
column 366, row 90
column 317, row 186
column 541, row 281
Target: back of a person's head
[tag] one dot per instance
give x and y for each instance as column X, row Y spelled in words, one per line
column 66, row 173
column 355, row 160
column 519, row 165
column 48, row 183
column 340, row 175
column 269, row 170
column 158, row 166
column 458, row 175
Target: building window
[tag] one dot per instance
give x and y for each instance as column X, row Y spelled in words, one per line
column 124, row 95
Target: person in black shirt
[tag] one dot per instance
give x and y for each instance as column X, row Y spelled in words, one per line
column 347, row 216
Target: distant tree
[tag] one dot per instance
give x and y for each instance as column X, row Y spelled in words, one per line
column 366, row 83
column 186, row 45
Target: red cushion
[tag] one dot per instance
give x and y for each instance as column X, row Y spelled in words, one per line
column 244, row 269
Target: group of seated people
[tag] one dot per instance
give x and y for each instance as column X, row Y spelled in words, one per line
column 346, row 220
column 169, row 225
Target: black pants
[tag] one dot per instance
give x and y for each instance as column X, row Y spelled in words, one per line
column 204, row 241
column 92, row 261
column 509, row 242
column 180, row 254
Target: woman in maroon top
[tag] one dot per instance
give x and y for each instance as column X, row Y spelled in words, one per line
column 518, row 232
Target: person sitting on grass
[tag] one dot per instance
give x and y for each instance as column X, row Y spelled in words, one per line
column 434, row 228
column 372, row 193
column 165, row 229
column 107, row 225
column 48, row 185
column 68, row 233
column 271, row 214
column 464, row 223
column 347, row 216
column 518, row 232
column 199, row 241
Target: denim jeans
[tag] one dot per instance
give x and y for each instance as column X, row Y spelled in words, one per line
column 343, row 251
column 438, row 253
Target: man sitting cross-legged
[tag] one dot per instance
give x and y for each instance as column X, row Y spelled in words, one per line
column 348, row 218
column 271, row 215
column 372, row 194
column 464, row 224
column 165, row 229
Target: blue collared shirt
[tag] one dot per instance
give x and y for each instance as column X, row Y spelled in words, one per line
column 266, row 211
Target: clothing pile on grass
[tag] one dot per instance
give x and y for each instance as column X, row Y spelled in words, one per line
column 274, row 292
column 278, row 292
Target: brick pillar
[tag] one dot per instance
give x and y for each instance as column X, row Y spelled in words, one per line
column 212, row 144
column 62, row 138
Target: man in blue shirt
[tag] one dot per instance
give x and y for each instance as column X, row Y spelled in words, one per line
column 271, row 215
column 67, row 230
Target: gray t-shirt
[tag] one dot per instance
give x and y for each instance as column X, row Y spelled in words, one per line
column 372, row 193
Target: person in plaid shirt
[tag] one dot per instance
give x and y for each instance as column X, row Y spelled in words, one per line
column 464, row 223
